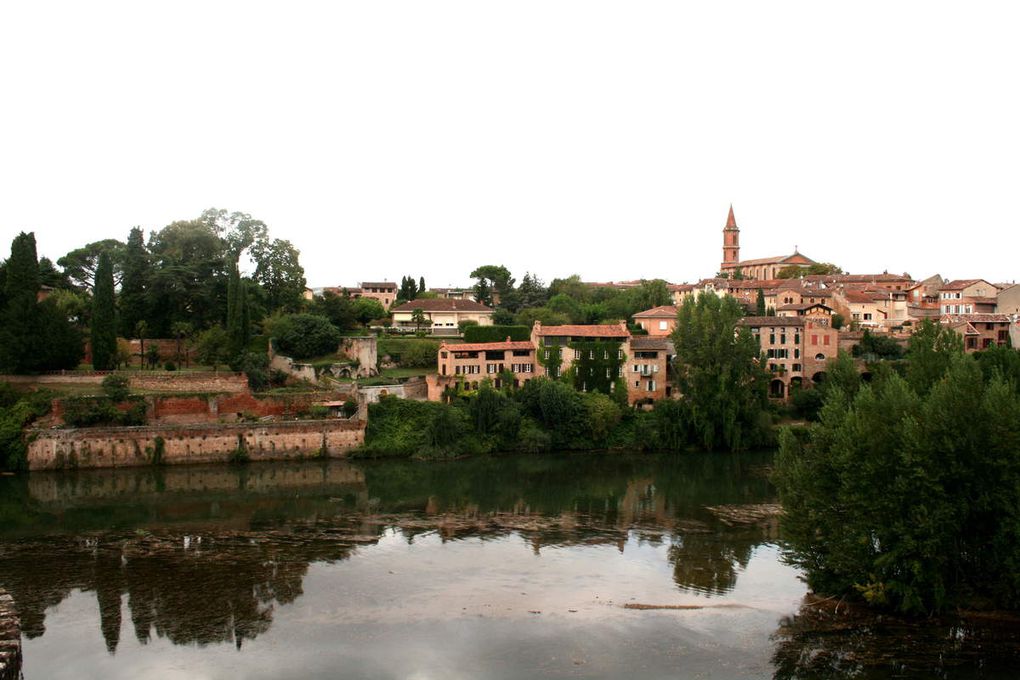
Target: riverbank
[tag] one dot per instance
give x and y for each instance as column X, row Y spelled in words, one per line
column 10, row 639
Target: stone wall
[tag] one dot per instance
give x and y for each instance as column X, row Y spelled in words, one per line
column 365, row 351
column 154, row 381
column 10, row 639
column 135, row 446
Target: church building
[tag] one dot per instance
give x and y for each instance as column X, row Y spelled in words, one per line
column 760, row 269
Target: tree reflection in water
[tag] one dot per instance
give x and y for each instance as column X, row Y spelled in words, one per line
column 828, row 638
column 204, row 556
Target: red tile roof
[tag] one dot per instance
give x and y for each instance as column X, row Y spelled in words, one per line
column 442, row 305
column 382, row 284
column 594, row 331
column 960, row 284
column 663, row 311
column 757, row 321
column 974, row 318
column 487, row 346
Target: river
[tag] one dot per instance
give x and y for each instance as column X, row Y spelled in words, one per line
column 571, row 566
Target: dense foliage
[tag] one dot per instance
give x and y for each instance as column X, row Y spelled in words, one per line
column 104, row 317
column 303, row 336
column 497, row 333
column 34, row 336
column 16, row 411
column 720, row 376
column 907, row 492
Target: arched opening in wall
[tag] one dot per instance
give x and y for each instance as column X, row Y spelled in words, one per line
column 383, row 393
column 818, row 378
column 777, row 390
column 819, row 357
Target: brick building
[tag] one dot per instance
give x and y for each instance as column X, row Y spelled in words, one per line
column 658, row 321
column 796, row 349
column 979, row 331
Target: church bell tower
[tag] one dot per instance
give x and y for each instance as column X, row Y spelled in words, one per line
column 731, row 243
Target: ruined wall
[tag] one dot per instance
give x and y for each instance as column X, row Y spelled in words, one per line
column 10, row 639
column 365, row 351
column 292, row 368
column 133, row 446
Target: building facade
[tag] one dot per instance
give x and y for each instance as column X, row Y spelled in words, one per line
column 795, row 348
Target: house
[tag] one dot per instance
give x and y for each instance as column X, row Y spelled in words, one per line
column 979, row 331
column 759, row 269
column 865, row 310
column 385, row 292
column 658, row 321
column 1008, row 300
column 812, row 309
column 967, row 296
column 471, row 363
column 647, row 369
column 443, row 316
column 796, row 349
column 553, row 344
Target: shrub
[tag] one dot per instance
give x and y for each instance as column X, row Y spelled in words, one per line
column 115, row 386
column 98, row 411
column 497, row 333
column 169, row 366
column 302, row 336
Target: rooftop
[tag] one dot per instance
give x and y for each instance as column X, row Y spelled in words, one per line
column 618, row 330
column 663, row 311
column 488, row 346
column 442, row 305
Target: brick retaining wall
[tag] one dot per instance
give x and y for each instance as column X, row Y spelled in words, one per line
column 10, row 639
column 136, row 446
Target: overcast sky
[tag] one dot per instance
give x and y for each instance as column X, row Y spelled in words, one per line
column 606, row 139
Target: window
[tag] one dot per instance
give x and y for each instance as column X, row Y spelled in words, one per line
column 814, row 339
column 772, row 338
column 867, row 316
column 663, row 325
column 819, row 357
column 796, row 354
column 796, row 338
column 826, row 342
column 651, row 385
column 796, row 367
column 782, row 338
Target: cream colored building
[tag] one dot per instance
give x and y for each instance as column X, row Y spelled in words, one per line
column 442, row 316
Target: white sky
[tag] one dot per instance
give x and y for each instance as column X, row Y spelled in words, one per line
column 388, row 138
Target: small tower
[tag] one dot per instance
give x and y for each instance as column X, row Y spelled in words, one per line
column 731, row 243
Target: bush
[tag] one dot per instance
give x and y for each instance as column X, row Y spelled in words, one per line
column 103, row 411
column 497, row 333
column 302, row 336
column 169, row 366
column 115, row 386
column 892, row 498
column 466, row 324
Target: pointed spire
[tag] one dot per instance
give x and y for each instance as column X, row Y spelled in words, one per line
column 731, row 221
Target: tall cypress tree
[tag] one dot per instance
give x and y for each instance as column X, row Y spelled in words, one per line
column 135, row 284
column 104, row 317
column 761, row 303
column 421, row 285
column 19, row 336
column 236, row 313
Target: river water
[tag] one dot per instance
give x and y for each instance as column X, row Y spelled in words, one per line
column 572, row 566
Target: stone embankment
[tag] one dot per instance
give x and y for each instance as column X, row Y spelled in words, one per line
column 179, row 445
column 10, row 639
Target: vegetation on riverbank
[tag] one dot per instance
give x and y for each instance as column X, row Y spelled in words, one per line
column 543, row 415
column 907, row 491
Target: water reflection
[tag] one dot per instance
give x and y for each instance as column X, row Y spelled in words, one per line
column 202, row 556
column 829, row 638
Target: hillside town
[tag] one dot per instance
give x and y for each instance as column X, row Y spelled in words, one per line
column 802, row 311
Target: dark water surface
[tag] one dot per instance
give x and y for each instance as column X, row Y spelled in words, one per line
column 517, row 567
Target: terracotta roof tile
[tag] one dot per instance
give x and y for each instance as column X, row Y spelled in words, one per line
column 487, row 346
column 593, row 331
column 663, row 311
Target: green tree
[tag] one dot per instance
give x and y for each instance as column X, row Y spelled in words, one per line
column 719, row 374
column 418, row 317
column 421, row 285
column 141, row 332
column 135, row 282
column 278, row 270
column 944, row 529
column 212, row 347
column 303, row 336
column 81, row 263
column 104, row 317
column 493, row 278
column 367, row 310
column 760, row 307
column 930, row 352
column 189, row 276
column 19, row 330
column 794, row 271
column 339, row 309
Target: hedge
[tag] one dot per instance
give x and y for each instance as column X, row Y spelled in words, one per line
column 496, row 333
